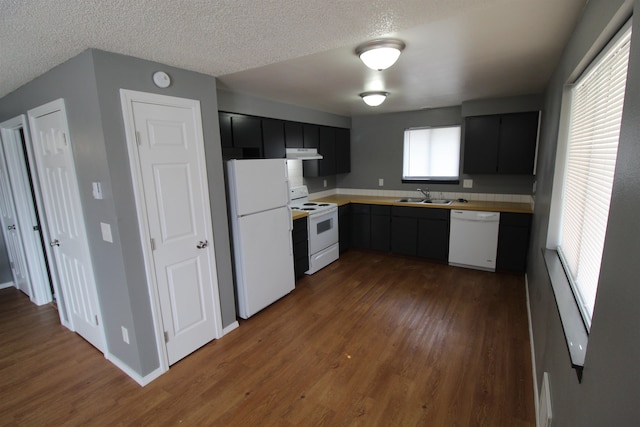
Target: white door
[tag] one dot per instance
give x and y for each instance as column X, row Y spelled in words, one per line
column 10, row 227
column 66, row 227
column 168, row 163
column 15, row 140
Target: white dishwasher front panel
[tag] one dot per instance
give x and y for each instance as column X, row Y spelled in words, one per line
column 473, row 239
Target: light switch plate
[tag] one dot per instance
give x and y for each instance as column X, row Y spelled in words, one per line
column 106, row 232
column 467, row 183
column 380, row 182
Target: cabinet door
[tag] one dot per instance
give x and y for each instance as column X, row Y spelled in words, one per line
column 381, row 228
column 481, row 137
column 273, row 139
column 360, row 226
column 311, row 135
column 433, row 239
column 344, row 227
column 343, row 150
column 293, row 135
column 247, row 135
column 518, row 139
column 226, row 138
column 513, row 242
column 404, row 235
column 327, row 147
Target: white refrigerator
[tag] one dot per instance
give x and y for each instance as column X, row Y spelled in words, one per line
column 261, row 227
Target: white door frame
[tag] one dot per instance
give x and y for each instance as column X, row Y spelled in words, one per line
column 29, row 208
column 127, row 97
column 33, row 114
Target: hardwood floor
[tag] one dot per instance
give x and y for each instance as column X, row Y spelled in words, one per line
column 371, row 340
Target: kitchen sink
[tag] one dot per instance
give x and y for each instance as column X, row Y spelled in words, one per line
column 411, row 200
column 442, row 202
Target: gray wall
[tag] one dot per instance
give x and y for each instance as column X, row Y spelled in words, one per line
column 608, row 393
column 377, row 147
column 90, row 85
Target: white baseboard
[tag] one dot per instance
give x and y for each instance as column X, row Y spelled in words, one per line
column 142, row 380
column 533, row 353
column 6, row 285
column 230, row 328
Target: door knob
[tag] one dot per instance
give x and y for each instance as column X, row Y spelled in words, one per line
column 12, row 227
column 202, row 245
column 56, row 242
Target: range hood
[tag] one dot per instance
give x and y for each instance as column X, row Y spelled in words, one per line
column 303, row 154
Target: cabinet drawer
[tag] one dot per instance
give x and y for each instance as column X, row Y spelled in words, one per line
column 515, row 219
column 380, row 210
column 360, row 209
column 412, row 212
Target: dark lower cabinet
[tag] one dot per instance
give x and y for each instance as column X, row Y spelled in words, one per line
column 404, row 234
column 300, row 237
column 344, row 227
column 513, row 242
column 433, row 238
column 381, row 228
column 420, row 231
column 360, row 226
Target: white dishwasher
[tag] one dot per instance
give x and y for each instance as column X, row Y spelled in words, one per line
column 473, row 239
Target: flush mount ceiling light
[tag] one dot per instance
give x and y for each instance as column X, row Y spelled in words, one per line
column 373, row 99
column 380, row 54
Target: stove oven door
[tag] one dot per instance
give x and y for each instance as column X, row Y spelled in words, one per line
column 323, row 230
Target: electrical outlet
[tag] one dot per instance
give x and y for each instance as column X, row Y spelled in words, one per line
column 380, row 182
column 125, row 335
column 467, row 183
column 325, row 183
column 106, row 232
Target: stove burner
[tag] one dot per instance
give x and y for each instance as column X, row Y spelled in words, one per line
column 323, row 204
column 308, row 209
column 310, row 204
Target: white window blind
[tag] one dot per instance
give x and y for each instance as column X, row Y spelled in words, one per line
column 431, row 153
column 594, row 128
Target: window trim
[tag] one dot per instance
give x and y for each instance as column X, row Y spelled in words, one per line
column 575, row 327
column 433, row 179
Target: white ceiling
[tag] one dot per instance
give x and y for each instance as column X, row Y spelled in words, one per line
column 302, row 52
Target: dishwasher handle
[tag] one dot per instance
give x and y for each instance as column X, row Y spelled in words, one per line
column 475, row 216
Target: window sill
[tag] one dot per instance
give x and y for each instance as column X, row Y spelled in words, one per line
column 574, row 329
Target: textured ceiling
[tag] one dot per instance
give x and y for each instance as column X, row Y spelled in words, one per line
column 301, row 52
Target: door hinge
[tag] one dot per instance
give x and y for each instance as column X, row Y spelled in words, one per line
column 64, row 137
column 138, row 138
column 153, row 244
column 97, row 323
column 13, row 266
column 166, row 336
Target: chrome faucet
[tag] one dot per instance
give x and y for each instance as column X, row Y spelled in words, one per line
column 425, row 192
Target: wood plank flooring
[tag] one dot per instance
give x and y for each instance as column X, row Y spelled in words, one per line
column 371, row 340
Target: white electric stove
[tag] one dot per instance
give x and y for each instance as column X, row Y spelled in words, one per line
column 322, row 227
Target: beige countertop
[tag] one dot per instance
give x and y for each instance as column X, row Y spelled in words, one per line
column 471, row 205
column 298, row 214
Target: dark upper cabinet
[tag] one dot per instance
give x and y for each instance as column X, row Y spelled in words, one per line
column 327, row 147
column 247, row 131
column 293, row 135
column 311, row 135
column 481, row 144
column 226, row 137
column 501, row 143
column 518, row 139
column 343, row 150
column 273, row 138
